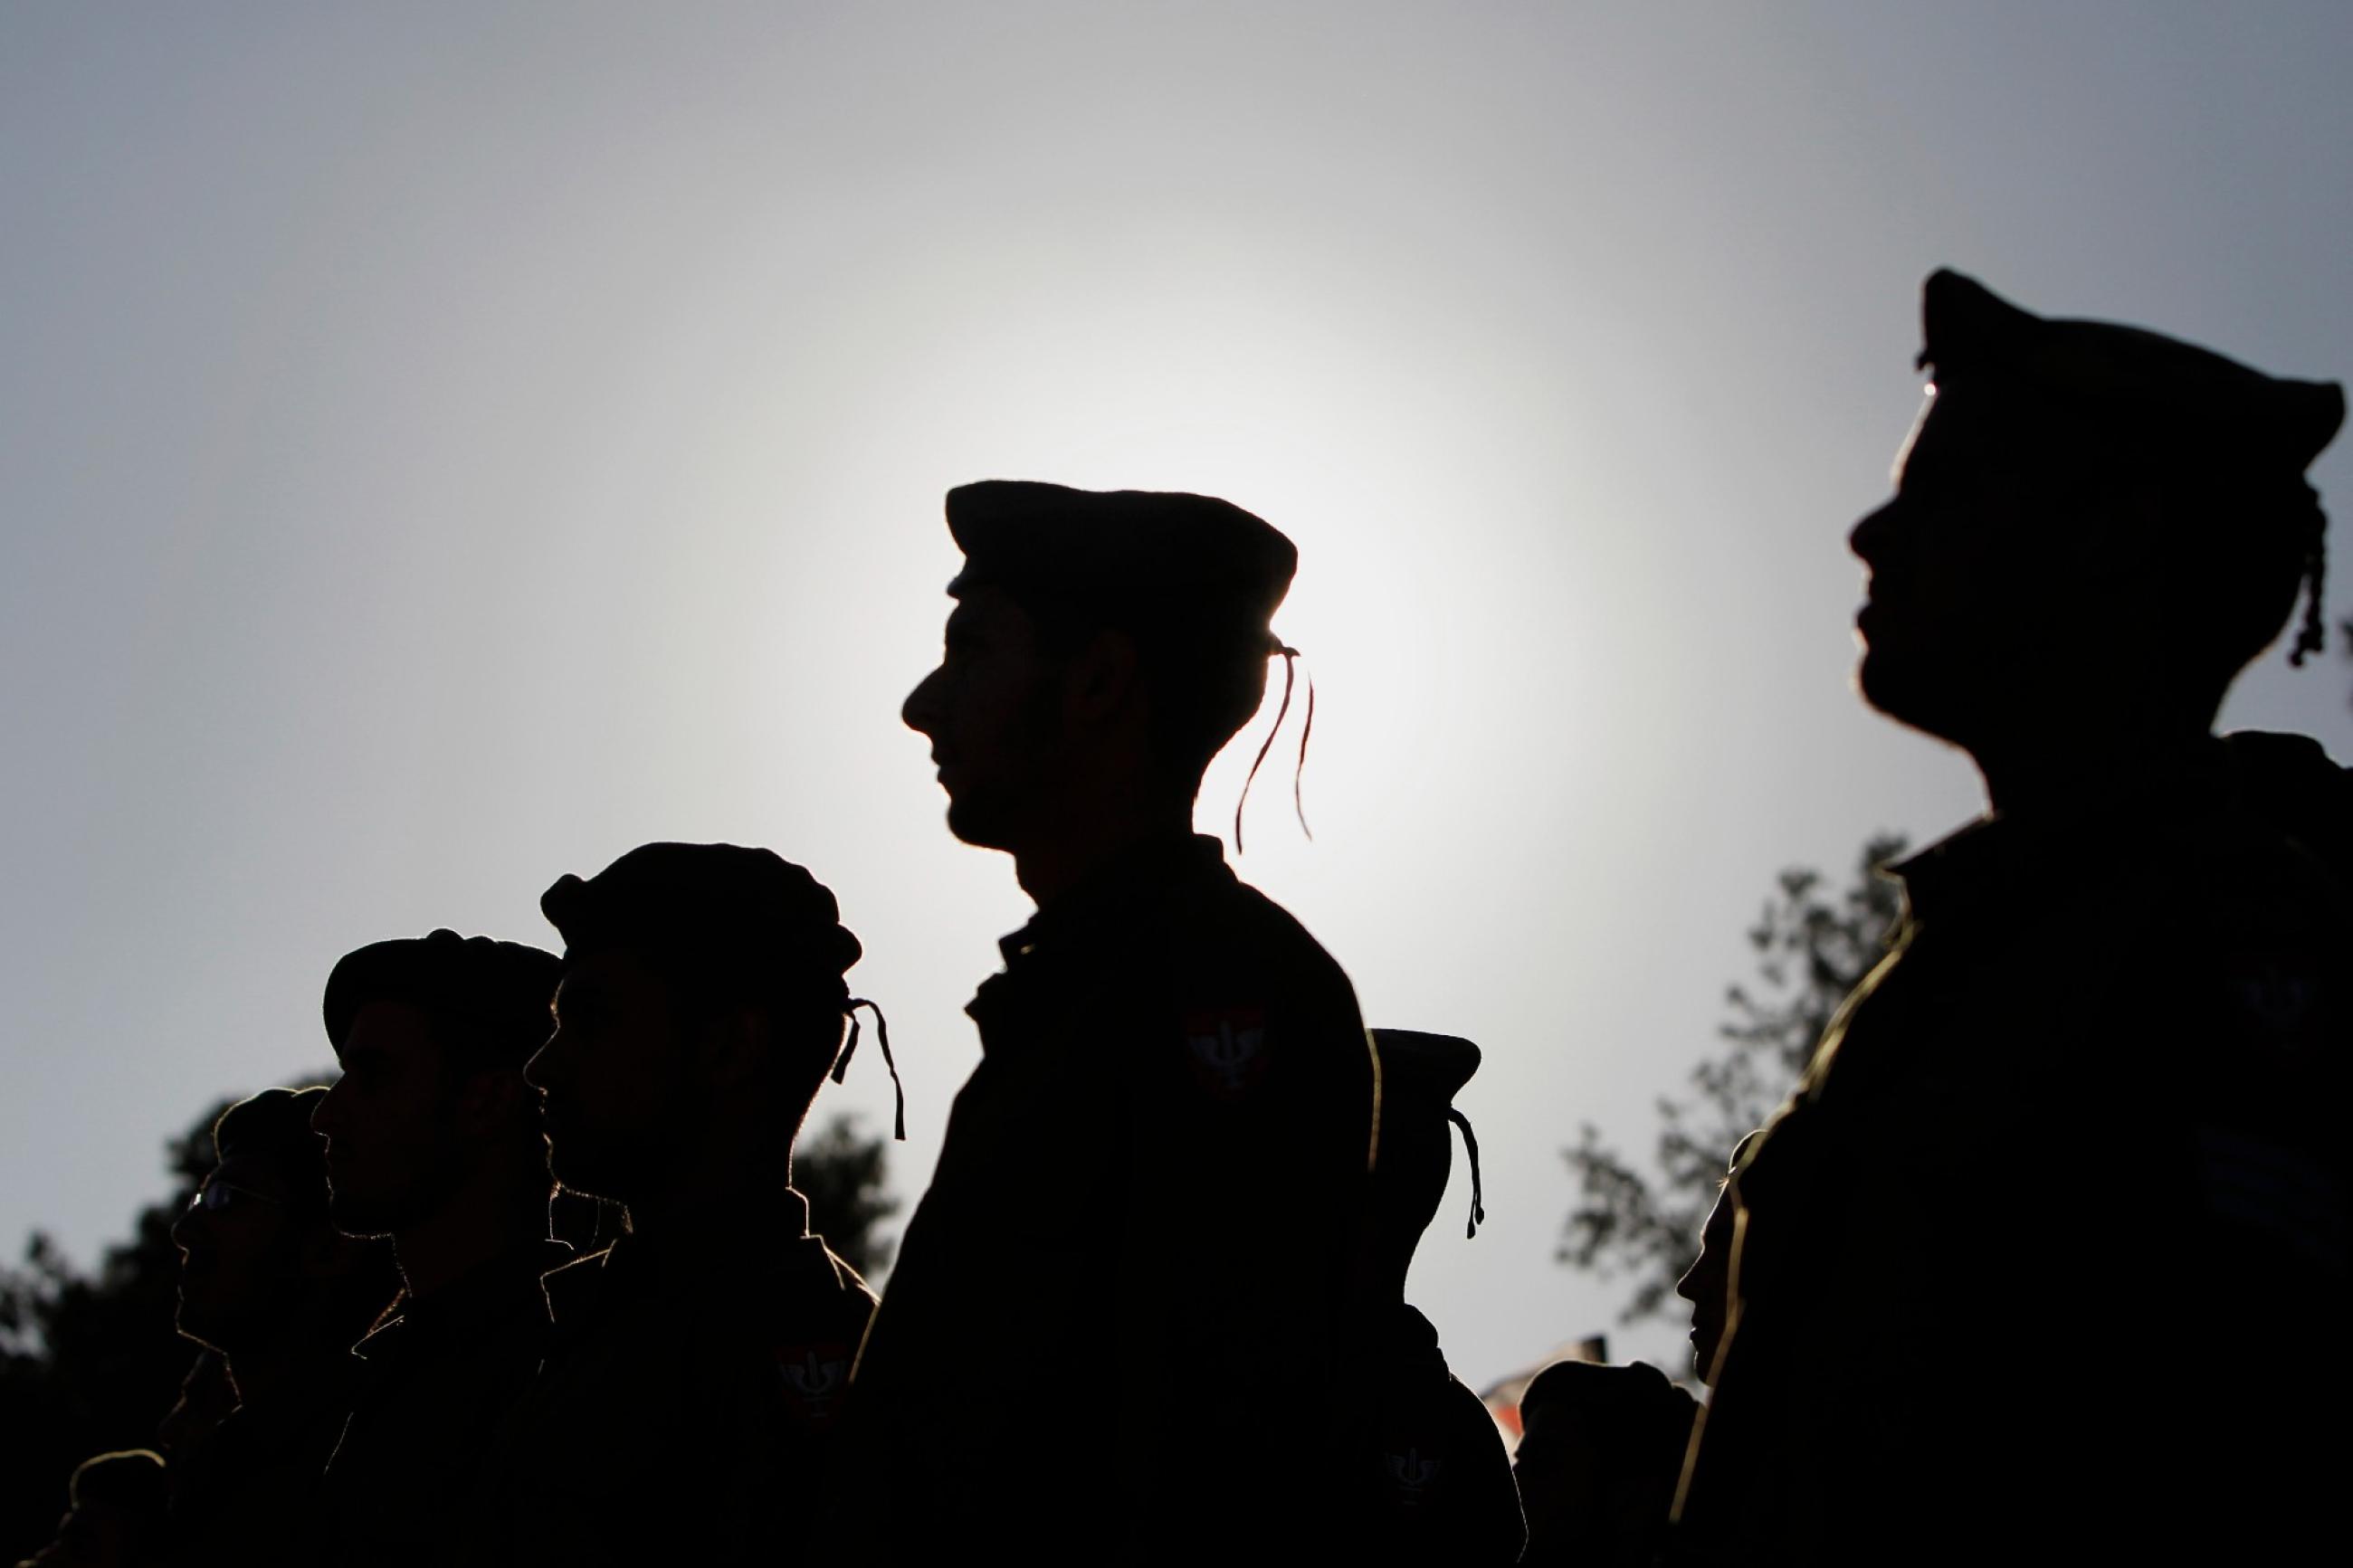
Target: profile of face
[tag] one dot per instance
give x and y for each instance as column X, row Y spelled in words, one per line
column 991, row 712
column 394, row 1151
column 1707, row 1285
column 1978, row 585
column 240, row 1256
column 616, row 1081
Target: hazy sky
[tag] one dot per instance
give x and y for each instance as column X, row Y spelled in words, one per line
column 445, row 446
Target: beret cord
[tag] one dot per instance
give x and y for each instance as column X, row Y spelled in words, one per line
column 882, row 1039
column 2312, row 637
column 1291, row 657
column 1478, row 1197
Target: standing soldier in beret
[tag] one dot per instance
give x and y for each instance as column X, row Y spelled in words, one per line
column 699, row 1361
column 1434, row 1483
column 2048, row 1251
column 267, row 1281
column 433, row 1139
column 1115, row 1324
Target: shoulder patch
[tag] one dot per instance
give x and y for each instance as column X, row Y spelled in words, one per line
column 815, row 1377
column 1227, row 1048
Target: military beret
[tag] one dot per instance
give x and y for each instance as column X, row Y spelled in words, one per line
column 722, row 909
column 1123, row 551
column 2163, row 387
column 1421, row 1073
column 503, row 988
column 274, row 1127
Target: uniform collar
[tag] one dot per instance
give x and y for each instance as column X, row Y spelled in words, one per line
column 482, row 1296
column 2002, row 857
column 1135, row 876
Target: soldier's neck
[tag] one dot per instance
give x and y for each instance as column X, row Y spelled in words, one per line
column 1081, row 843
column 485, row 1220
column 264, row 1373
column 735, row 1187
column 2081, row 765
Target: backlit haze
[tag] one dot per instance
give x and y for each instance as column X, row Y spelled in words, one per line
column 443, row 446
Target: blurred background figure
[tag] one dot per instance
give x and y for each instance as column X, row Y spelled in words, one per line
column 267, row 1281
column 1707, row 1283
column 114, row 1514
column 1436, row 1481
column 433, row 1139
column 698, row 1364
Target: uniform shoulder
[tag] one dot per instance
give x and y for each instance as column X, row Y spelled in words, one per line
column 1229, row 921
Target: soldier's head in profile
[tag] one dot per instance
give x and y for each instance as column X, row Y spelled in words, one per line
column 114, row 1514
column 1707, row 1283
column 2090, row 520
column 1105, row 645
column 1420, row 1075
column 261, row 1262
column 431, row 1033
column 702, row 1004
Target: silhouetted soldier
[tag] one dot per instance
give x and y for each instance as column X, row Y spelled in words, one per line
column 1115, row 1322
column 433, row 1139
column 267, row 1281
column 2086, row 1120
column 114, row 1514
column 1435, row 1480
column 701, row 1360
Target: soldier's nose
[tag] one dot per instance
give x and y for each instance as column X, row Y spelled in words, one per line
column 1868, row 538
column 918, row 712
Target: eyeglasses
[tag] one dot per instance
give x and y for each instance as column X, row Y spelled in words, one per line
column 215, row 1196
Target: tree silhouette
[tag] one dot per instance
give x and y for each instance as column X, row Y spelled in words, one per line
column 1814, row 945
column 90, row 1361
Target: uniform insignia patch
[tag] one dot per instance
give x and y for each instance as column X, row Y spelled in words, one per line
column 1228, row 1047
column 813, row 1377
column 1413, row 1473
column 2277, row 996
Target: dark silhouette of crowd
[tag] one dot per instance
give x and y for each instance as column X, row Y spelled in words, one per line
column 1152, row 1305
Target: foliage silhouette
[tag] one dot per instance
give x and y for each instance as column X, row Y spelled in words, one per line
column 1814, row 945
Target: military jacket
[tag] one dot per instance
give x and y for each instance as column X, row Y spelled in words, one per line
column 2047, row 1252
column 402, row 1485
column 1433, row 1483
column 1115, row 1325
column 686, row 1406
column 246, row 1493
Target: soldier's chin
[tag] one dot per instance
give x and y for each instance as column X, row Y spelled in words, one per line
column 1887, row 685
column 368, row 1215
column 581, row 1173
column 975, row 819
column 196, row 1320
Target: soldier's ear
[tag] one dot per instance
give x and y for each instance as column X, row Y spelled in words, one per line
column 1100, row 678
column 2120, row 533
column 735, row 1048
column 491, row 1100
